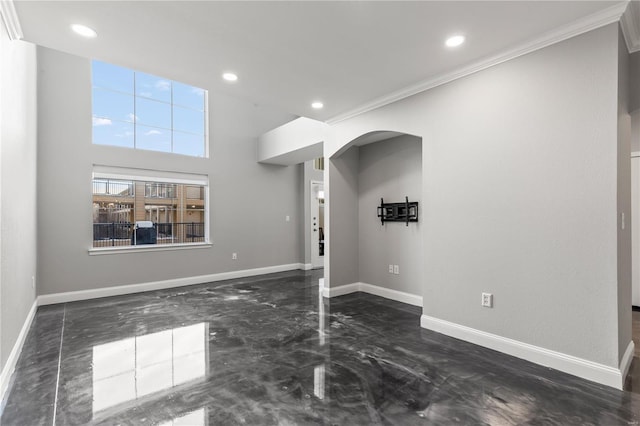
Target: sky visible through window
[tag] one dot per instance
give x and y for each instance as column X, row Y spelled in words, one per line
column 137, row 110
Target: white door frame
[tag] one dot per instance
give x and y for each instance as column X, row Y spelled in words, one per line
column 317, row 261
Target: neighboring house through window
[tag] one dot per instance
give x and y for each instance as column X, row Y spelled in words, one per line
column 148, row 208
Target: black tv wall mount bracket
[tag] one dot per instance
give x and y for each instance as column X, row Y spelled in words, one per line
column 398, row 212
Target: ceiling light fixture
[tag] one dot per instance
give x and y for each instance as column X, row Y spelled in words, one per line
column 84, row 31
column 229, row 76
column 455, row 41
column 317, row 105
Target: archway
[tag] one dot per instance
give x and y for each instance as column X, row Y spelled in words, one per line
column 365, row 254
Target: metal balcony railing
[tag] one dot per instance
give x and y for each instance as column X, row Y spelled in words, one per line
column 160, row 190
column 120, row 234
column 118, row 188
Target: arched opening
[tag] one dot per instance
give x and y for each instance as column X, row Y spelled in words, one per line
column 366, row 254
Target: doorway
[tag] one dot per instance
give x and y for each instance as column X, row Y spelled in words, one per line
column 316, row 222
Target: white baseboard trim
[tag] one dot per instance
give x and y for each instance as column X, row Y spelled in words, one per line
column 73, row 296
column 306, row 266
column 10, row 365
column 387, row 293
column 626, row 360
column 340, row 290
column 580, row 367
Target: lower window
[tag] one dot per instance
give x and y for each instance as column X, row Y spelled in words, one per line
column 129, row 210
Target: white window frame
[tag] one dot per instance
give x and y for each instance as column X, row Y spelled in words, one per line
column 122, row 173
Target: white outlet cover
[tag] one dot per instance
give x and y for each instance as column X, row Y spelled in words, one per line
column 391, row 269
column 396, row 269
column 487, row 300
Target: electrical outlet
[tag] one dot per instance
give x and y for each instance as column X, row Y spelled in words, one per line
column 487, row 300
column 234, row 256
column 33, row 281
column 287, row 218
column 396, row 269
column 391, row 269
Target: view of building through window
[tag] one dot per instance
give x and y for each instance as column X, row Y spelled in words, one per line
column 137, row 110
column 132, row 212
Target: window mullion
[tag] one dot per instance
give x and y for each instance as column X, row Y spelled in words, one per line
column 172, row 116
column 135, row 115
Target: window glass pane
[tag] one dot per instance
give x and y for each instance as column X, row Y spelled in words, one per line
column 114, row 133
column 188, row 120
column 112, row 77
column 122, row 96
column 188, row 96
column 112, row 105
column 150, row 86
column 153, row 113
column 153, row 138
column 188, row 144
column 119, row 206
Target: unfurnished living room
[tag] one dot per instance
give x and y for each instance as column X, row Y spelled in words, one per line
column 319, row 212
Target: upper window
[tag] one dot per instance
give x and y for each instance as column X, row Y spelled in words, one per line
column 137, row 110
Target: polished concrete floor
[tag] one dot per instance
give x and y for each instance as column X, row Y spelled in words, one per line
column 269, row 350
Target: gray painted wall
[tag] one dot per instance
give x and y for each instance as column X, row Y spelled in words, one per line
column 635, row 131
column 624, row 199
column 634, row 82
column 390, row 169
column 519, row 172
column 635, row 229
column 18, row 187
column 249, row 201
column 343, row 214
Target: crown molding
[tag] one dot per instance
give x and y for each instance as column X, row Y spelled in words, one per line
column 630, row 23
column 604, row 17
column 10, row 19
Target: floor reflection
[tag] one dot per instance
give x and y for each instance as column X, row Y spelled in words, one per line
column 195, row 418
column 318, row 381
column 282, row 355
column 321, row 312
column 131, row 368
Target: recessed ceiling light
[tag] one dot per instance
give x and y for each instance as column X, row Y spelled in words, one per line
column 317, row 105
column 455, row 41
column 84, row 31
column 229, row 76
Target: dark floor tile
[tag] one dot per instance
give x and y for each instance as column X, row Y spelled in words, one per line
column 31, row 395
column 270, row 350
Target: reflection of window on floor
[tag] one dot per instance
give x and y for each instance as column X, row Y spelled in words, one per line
column 318, row 381
column 321, row 316
column 132, row 368
column 195, row 418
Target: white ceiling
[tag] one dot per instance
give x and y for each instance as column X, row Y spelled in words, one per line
column 288, row 54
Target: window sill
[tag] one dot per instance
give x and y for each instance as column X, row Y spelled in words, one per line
column 96, row 251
